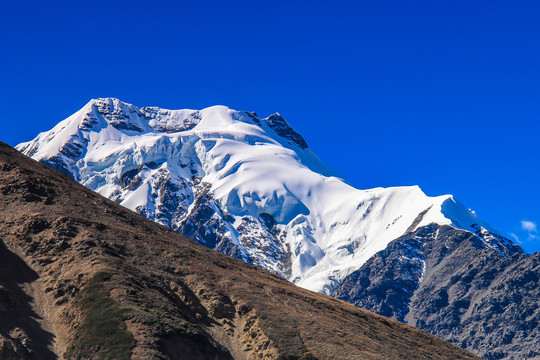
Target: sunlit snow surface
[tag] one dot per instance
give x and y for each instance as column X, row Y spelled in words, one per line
column 328, row 227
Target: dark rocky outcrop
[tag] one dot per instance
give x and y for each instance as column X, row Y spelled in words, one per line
column 451, row 284
column 283, row 129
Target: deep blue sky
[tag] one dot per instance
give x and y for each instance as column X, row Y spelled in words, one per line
column 443, row 94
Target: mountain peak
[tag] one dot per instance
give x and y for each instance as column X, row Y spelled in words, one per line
column 283, row 129
column 106, row 100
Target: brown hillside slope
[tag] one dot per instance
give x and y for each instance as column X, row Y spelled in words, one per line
column 84, row 278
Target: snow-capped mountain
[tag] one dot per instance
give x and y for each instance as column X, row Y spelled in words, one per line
column 246, row 186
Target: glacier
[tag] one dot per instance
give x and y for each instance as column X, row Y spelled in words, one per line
column 249, row 187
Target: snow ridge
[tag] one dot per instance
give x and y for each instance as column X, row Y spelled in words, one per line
column 245, row 186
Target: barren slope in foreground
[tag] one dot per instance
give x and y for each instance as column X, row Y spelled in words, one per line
column 85, row 277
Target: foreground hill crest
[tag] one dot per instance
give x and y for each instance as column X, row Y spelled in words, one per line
column 84, row 278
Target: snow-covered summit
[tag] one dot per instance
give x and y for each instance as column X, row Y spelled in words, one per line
column 245, row 186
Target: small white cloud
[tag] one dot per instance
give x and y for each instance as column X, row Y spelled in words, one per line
column 528, row 225
column 515, row 237
column 531, row 229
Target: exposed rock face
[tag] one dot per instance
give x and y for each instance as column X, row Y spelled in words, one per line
column 280, row 126
column 453, row 285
